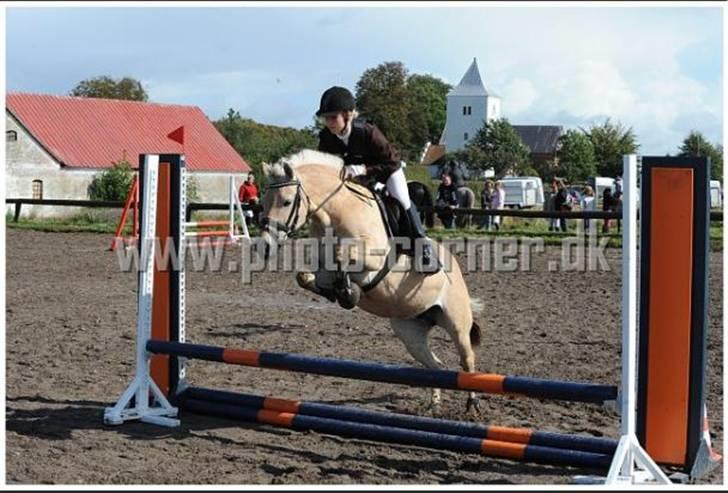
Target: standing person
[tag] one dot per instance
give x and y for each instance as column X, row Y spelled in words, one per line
column 607, row 205
column 551, row 206
column 498, row 202
column 446, row 201
column 248, row 196
column 367, row 152
column 486, row 202
column 562, row 202
column 248, row 193
column 588, row 204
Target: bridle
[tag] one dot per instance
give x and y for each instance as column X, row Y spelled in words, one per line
column 290, row 227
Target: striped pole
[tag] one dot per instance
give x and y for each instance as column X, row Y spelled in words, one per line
column 207, row 234
column 206, row 224
column 377, row 372
column 391, row 434
column 449, row 427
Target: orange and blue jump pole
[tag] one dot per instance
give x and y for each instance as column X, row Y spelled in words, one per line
column 419, row 377
column 525, row 436
column 392, row 434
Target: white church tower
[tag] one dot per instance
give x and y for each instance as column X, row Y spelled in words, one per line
column 469, row 106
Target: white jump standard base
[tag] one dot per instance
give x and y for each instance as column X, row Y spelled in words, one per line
column 159, row 411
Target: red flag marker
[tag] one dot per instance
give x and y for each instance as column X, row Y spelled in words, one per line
column 178, row 135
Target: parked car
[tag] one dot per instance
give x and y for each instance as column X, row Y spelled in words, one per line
column 716, row 195
column 523, row 191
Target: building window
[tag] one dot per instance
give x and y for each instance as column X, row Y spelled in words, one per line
column 465, row 110
column 38, row 189
column 470, row 110
column 465, row 137
column 11, row 136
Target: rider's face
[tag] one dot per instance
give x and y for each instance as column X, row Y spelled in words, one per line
column 335, row 122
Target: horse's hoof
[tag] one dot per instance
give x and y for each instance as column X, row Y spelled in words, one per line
column 473, row 406
column 305, row 279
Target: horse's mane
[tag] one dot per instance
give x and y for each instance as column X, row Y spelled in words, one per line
column 306, row 157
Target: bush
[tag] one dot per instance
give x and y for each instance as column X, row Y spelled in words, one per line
column 112, row 183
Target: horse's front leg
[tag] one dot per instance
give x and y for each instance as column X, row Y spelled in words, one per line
column 307, row 280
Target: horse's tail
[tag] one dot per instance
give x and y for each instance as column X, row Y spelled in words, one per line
column 476, row 306
column 475, row 334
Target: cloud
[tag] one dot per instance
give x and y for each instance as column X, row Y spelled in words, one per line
column 520, row 94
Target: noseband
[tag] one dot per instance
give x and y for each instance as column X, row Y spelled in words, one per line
column 289, row 227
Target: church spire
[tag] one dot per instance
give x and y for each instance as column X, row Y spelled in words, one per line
column 471, row 84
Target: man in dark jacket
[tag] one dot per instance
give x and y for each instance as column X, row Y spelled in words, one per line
column 447, row 200
column 366, row 151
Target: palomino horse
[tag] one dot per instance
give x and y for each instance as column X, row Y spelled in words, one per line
column 307, row 188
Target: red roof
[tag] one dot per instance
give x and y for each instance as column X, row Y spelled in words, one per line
column 95, row 133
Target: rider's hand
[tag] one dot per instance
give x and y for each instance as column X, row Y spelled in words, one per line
column 353, row 170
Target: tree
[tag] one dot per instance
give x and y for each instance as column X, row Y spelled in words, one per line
column 498, row 146
column 611, row 142
column 429, row 98
column 105, row 87
column 576, row 157
column 409, row 109
column 383, row 98
column 259, row 143
column 696, row 145
column 113, row 183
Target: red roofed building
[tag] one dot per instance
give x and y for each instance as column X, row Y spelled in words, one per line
column 55, row 145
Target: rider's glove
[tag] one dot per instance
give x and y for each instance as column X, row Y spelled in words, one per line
column 352, row 170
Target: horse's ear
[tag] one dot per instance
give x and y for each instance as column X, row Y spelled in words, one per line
column 267, row 169
column 288, row 169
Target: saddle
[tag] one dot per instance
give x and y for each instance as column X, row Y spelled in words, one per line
column 393, row 215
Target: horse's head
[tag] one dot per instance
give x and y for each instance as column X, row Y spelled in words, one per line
column 286, row 202
column 283, row 202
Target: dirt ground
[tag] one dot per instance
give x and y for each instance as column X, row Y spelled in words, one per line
column 70, row 350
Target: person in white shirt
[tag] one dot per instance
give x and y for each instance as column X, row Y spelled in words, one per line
column 588, row 204
column 498, row 202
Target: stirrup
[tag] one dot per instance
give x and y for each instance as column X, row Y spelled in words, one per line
column 432, row 267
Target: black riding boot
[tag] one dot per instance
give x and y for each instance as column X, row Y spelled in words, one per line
column 430, row 264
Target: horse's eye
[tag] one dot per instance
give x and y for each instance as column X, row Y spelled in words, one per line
column 287, row 203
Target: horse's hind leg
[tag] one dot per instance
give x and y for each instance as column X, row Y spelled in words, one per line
column 414, row 334
column 457, row 320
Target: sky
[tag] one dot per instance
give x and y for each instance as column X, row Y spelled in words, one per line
column 655, row 68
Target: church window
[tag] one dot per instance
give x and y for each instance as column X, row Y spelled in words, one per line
column 465, row 110
column 465, row 137
column 11, row 136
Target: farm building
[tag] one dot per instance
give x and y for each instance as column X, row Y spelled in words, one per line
column 56, row 145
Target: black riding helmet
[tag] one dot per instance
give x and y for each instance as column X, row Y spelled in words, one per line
column 334, row 100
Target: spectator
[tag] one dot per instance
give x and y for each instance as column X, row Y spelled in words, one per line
column 498, row 202
column 248, row 193
column 456, row 172
column 562, row 202
column 607, row 205
column 587, row 204
column 549, row 205
column 486, row 202
column 446, row 201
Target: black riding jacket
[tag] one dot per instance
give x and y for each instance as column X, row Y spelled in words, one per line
column 367, row 146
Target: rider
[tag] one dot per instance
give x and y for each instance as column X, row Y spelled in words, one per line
column 367, row 152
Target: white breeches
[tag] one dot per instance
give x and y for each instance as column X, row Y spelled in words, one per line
column 397, row 188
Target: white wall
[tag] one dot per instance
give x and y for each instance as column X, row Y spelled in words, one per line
column 458, row 124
